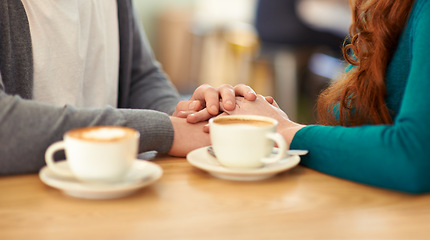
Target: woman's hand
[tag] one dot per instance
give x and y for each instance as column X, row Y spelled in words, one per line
column 206, row 100
column 266, row 106
column 263, row 106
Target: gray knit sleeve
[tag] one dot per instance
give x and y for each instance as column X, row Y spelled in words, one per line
column 28, row 127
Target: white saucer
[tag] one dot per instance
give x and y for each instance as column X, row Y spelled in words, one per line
column 201, row 159
column 143, row 173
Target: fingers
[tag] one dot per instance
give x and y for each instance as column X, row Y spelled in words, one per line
column 246, row 91
column 275, row 104
column 208, row 97
column 269, row 99
column 221, row 107
column 206, row 102
column 228, row 96
column 200, row 116
column 206, row 128
column 195, row 105
column 212, row 101
column 185, row 108
column 199, row 93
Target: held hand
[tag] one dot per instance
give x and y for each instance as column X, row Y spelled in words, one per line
column 266, row 106
column 187, row 137
column 205, row 102
column 244, row 107
column 263, row 106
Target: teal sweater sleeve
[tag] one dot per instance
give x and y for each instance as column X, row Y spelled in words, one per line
column 390, row 156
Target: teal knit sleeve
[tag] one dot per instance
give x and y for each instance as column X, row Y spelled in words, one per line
column 390, row 156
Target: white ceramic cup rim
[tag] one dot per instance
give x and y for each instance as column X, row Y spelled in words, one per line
column 272, row 122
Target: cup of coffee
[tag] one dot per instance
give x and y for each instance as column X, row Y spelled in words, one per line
column 99, row 154
column 246, row 141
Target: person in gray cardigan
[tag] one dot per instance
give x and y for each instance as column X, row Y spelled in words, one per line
column 34, row 81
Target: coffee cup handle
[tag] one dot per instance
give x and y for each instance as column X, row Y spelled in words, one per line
column 50, row 160
column 282, row 148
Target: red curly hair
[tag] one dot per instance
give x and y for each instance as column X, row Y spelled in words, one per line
column 359, row 96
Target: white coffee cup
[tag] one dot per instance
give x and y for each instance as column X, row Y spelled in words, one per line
column 246, row 141
column 100, row 154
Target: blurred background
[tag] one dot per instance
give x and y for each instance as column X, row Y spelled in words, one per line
column 288, row 49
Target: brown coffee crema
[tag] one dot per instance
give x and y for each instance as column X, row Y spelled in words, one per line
column 103, row 133
column 253, row 122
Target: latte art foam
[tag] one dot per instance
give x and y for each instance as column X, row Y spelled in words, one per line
column 103, row 133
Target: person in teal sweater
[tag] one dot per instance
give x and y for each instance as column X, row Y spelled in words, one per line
column 374, row 121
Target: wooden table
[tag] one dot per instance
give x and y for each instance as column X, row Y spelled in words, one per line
column 187, row 203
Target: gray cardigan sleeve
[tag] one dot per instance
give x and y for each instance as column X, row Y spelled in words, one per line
column 28, row 127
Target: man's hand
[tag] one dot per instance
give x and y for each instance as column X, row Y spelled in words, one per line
column 187, row 137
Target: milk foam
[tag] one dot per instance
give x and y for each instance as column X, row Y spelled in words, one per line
column 104, row 133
